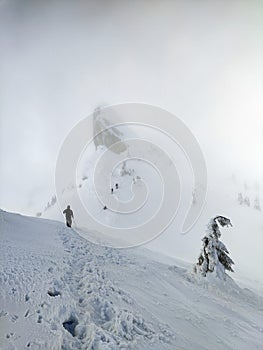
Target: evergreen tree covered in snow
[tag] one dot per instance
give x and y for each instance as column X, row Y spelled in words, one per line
column 240, row 199
column 125, row 170
column 214, row 254
column 247, row 201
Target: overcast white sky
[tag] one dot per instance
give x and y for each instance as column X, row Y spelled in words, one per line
column 201, row 60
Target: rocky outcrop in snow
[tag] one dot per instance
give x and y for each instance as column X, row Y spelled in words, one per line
column 105, row 134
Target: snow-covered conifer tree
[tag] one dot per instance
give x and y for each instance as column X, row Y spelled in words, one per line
column 214, row 256
column 247, row 201
column 240, row 199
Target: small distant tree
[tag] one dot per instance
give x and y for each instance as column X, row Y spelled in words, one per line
column 247, row 201
column 125, row 170
column 257, row 204
column 214, row 256
column 240, row 199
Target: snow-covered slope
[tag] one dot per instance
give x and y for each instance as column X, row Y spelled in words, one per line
column 243, row 240
column 59, row 291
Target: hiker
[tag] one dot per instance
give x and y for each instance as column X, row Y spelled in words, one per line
column 117, row 186
column 111, row 190
column 69, row 216
column 105, row 207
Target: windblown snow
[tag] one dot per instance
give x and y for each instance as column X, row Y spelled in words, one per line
column 58, row 291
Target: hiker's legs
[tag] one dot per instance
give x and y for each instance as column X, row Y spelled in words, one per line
column 68, row 224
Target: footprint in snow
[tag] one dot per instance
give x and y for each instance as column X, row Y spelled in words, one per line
column 52, row 292
column 27, row 313
column 71, row 324
column 9, row 335
column 14, row 318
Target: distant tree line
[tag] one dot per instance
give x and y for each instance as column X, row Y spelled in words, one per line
column 245, row 200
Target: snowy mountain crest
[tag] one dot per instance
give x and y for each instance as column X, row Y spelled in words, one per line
column 108, row 128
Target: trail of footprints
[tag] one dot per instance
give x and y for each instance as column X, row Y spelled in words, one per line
column 85, row 306
column 103, row 312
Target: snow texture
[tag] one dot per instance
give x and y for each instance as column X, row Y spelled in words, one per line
column 58, row 291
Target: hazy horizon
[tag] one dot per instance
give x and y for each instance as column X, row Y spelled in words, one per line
column 201, row 61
